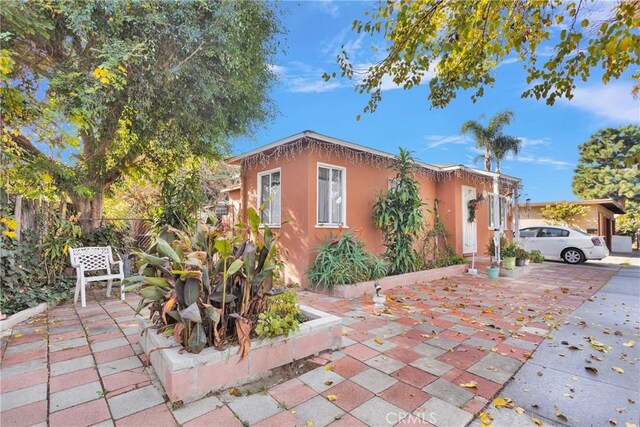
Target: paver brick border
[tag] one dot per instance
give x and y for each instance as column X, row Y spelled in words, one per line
column 367, row 288
column 187, row 377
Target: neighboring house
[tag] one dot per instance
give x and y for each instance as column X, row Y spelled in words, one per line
column 313, row 186
column 600, row 221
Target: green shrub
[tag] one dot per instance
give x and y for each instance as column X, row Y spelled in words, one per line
column 509, row 250
column 344, row 261
column 282, row 317
column 24, row 281
column 109, row 234
column 490, row 250
column 521, row 253
column 536, row 256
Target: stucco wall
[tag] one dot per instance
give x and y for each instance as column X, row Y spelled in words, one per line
column 294, row 178
column 301, row 236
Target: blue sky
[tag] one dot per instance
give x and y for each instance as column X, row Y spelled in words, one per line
column 551, row 135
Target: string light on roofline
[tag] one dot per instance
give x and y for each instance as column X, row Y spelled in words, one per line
column 292, row 150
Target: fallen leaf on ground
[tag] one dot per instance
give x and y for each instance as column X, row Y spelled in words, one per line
column 618, row 370
column 613, row 422
column 235, row 392
column 332, row 397
column 501, row 402
column 485, row 419
column 629, row 344
column 328, row 382
column 537, row 422
column 629, row 424
column 470, row 384
column 519, row 410
column 597, row 345
column 309, row 423
column 378, row 341
column 591, row 369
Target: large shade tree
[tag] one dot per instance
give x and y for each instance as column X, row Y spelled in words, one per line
column 95, row 90
column 608, row 168
column 492, row 140
column 462, row 43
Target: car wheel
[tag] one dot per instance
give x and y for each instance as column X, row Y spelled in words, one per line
column 573, row 256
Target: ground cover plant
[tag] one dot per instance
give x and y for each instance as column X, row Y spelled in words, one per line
column 343, row 260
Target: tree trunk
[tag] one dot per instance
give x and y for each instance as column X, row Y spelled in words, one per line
column 487, row 160
column 90, row 210
column 497, row 166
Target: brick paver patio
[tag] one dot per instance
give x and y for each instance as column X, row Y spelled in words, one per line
column 83, row 366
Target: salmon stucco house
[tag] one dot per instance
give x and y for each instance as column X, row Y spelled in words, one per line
column 313, row 185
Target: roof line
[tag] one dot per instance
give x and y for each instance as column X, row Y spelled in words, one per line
column 337, row 141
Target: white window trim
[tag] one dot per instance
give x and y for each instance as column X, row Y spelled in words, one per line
column 489, row 213
column 344, row 195
column 259, row 185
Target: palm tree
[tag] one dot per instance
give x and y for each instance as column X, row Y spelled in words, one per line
column 496, row 145
column 501, row 146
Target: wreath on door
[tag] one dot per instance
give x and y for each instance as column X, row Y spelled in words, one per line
column 472, row 206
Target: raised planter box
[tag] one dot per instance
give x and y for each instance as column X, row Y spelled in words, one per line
column 367, row 288
column 187, row 377
column 516, row 272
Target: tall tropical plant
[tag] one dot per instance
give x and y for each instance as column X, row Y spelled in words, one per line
column 496, row 145
column 399, row 213
column 208, row 289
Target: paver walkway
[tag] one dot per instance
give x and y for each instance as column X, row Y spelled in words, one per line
column 555, row 381
column 82, row 366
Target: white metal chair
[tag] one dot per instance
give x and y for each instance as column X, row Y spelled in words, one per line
column 94, row 259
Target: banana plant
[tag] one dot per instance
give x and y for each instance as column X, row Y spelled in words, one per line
column 207, row 289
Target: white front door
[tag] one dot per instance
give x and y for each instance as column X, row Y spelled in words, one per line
column 469, row 229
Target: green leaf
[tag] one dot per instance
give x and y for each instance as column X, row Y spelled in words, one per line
column 151, row 293
column 165, row 249
column 191, row 313
column 254, row 220
column 191, row 290
column 234, row 267
column 223, row 247
column 198, row 339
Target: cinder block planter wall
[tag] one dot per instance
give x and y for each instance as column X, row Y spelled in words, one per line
column 367, row 288
column 187, row 377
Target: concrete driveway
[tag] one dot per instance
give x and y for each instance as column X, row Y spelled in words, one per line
column 587, row 372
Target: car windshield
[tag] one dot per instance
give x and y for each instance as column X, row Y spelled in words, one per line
column 577, row 230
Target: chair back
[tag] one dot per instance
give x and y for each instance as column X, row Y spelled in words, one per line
column 91, row 258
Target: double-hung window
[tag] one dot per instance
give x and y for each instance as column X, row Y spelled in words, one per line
column 269, row 195
column 331, row 195
column 502, row 213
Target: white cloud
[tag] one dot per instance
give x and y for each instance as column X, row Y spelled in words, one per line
column 434, row 141
column 278, row 70
column 613, row 102
column 298, row 77
column 329, row 7
column 528, row 142
column 304, row 85
column 543, row 160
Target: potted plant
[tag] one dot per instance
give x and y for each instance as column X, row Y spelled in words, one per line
column 536, row 256
column 490, row 249
column 522, row 257
column 494, row 271
column 509, row 255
